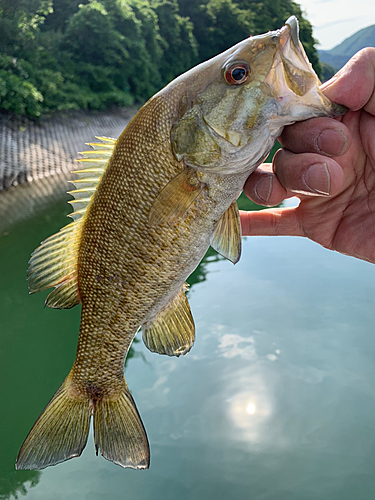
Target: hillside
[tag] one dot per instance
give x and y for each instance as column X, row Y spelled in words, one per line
column 61, row 55
column 340, row 55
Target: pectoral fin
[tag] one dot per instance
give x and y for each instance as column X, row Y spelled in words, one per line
column 172, row 332
column 227, row 236
column 177, row 196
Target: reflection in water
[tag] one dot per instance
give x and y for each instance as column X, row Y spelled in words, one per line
column 21, row 339
column 32, row 199
column 232, row 345
column 13, row 484
column 200, row 274
column 30, row 213
column 251, row 409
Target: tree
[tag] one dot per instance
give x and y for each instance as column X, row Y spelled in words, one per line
column 19, row 23
column 180, row 49
column 71, row 54
column 228, row 25
column 218, row 24
column 272, row 14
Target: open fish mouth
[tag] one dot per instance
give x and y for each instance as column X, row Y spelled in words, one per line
column 291, row 70
column 292, row 79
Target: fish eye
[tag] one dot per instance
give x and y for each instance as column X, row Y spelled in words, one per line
column 237, row 73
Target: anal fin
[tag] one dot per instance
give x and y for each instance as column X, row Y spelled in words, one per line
column 227, row 236
column 172, row 332
column 176, row 197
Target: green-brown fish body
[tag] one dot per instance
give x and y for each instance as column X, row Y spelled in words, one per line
column 147, row 207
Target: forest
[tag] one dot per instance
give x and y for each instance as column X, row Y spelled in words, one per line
column 60, row 55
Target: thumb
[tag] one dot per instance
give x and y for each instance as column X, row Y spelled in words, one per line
column 354, row 85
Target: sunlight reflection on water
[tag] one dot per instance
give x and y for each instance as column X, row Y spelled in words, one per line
column 276, row 398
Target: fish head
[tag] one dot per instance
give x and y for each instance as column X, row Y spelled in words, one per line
column 236, row 104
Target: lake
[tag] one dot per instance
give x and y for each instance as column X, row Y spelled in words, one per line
column 276, row 400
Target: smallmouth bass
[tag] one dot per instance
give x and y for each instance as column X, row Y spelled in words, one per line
column 147, row 207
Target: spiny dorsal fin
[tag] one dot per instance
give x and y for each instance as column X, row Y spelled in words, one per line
column 54, row 262
column 226, row 239
column 172, row 332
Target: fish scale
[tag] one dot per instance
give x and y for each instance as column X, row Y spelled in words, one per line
column 125, row 232
column 147, row 207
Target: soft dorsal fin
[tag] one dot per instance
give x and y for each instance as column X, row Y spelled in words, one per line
column 54, row 262
column 226, row 239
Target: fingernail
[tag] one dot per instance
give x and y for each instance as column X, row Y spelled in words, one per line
column 317, row 179
column 332, row 142
column 263, row 188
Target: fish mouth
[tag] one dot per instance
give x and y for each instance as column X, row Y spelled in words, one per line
column 292, row 79
column 291, row 70
column 292, row 24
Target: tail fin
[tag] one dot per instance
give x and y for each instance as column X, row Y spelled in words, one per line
column 59, row 433
column 119, row 432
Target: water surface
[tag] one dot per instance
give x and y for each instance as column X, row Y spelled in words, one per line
column 276, row 400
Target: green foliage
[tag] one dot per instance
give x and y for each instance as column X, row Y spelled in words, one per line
column 74, row 54
column 138, row 23
column 16, row 92
column 20, row 21
column 241, row 19
column 63, row 10
column 180, row 49
column 327, row 71
column 228, row 24
column 91, row 37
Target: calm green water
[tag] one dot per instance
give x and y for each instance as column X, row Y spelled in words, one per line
column 276, row 401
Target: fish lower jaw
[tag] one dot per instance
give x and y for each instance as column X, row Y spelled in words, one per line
column 311, row 105
column 255, row 154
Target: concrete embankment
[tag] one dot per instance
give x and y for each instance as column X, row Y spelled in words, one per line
column 36, row 159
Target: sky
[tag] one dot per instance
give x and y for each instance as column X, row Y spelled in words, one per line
column 335, row 20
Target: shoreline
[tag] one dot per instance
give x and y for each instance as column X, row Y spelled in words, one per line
column 31, row 150
column 37, row 158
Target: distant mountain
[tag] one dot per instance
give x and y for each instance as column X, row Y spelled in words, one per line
column 340, row 55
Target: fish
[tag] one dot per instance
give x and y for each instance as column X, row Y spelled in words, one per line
column 146, row 208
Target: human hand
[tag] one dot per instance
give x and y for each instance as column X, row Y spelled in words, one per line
column 329, row 164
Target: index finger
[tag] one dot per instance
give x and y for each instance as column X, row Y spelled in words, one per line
column 325, row 136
